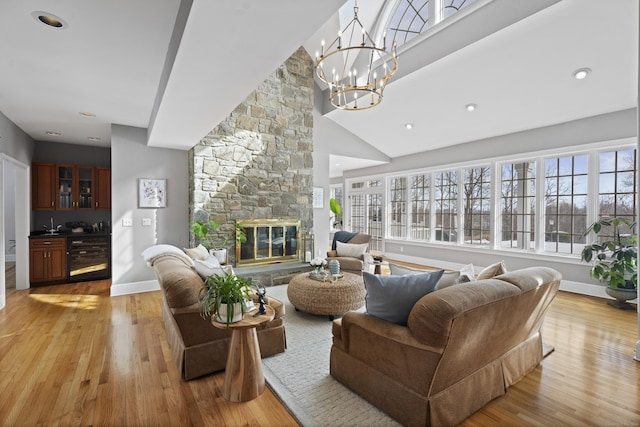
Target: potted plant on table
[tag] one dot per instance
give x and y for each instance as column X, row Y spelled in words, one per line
column 202, row 231
column 614, row 258
column 224, row 297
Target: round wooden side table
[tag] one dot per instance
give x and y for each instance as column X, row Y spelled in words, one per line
column 243, row 377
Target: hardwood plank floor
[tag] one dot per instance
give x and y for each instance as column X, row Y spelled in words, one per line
column 71, row 355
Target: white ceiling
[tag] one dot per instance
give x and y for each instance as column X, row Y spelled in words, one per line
column 116, row 59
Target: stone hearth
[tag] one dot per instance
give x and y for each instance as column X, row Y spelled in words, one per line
column 272, row 274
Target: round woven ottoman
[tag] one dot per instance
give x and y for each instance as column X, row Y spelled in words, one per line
column 326, row 298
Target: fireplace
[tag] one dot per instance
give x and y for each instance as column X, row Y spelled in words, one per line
column 269, row 241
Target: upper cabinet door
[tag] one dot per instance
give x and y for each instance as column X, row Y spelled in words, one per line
column 103, row 188
column 75, row 186
column 43, row 194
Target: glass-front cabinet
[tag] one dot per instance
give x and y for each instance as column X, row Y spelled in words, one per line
column 75, row 185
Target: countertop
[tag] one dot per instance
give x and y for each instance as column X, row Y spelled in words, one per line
column 65, row 233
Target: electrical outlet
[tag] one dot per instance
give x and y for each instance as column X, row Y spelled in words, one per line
column 127, row 222
column 146, row 222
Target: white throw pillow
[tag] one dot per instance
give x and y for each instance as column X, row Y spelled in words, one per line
column 351, row 249
column 155, row 251
column 466, row 274
column 199, row 252
column 209, row 267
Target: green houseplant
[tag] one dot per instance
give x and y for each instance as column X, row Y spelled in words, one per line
column 224, row 297
column 335, row 208
column 614, row 258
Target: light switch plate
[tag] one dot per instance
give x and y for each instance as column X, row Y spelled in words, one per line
column 127, row 222
column 146, row 222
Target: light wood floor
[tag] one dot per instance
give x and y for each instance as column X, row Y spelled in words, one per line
column 71, row 355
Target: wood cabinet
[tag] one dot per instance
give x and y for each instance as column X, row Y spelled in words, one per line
column 74, row 184
column 103, row 188
column 43, row 182
column 48, row 260
column 66, row 187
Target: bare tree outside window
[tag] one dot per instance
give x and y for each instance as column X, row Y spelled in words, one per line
column 477, row 205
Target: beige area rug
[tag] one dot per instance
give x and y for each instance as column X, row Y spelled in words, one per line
column 300, row 376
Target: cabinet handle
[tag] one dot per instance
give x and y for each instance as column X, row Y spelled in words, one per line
column 52, row 203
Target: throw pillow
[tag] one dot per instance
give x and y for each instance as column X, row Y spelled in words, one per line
column 153, row 253
column 351, row 249
column 199, row 252
column 492, row 271
column 448, row 278
column 467, row 274
column 392, row 297
column 209, row 267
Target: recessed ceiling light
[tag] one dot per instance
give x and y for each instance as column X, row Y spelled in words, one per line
column 408, row 126
column 94, row 138
column 49, row 19
column 471, row 107
column 581, row 73
column 85, row 114
column 52, row 133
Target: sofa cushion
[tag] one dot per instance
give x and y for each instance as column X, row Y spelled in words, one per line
column 199, row 252
column 351, row 250
column 392, row 297
column 493, row 270
column 152, row 253
column 448, row 277
column 180, row 283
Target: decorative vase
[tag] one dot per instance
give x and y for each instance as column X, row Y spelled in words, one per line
column 223, row 313
column 334, row 267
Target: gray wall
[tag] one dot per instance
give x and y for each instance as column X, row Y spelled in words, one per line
column 14, row 142
column 131, row 159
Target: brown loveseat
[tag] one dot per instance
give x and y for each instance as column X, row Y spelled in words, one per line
column 197, row 346
column 462, row 347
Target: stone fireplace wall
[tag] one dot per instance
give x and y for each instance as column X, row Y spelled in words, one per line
column 257, row 163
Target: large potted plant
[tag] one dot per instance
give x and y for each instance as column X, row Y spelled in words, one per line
column 614, row 258
column 224, row 297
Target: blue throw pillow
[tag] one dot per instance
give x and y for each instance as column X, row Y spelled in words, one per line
column 392, row 297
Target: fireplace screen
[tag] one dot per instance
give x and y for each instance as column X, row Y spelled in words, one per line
column 269, row 241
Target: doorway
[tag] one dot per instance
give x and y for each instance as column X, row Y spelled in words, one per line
column 14, row 224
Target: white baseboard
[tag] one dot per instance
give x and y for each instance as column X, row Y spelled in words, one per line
column 134, row 288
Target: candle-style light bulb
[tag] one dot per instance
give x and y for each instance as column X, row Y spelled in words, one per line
column 322, row 43
column 339, row 39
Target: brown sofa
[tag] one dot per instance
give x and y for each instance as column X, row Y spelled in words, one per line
column 351, row 264
column 462, row 347
column 197, row 346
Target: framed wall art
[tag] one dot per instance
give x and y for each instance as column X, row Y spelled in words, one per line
column 152, row 193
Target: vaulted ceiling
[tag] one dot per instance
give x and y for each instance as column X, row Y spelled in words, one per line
column 178, row 68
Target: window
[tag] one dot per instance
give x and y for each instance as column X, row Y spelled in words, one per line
column 565, row 204
column 617, row 186
column 477, row 205
column 411, row 17
column 336, row 220
column 358, row 212
column 541, row 204
column 446, row 210
column 398, row 207
column 518, row 205
column 420, row 206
